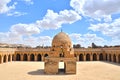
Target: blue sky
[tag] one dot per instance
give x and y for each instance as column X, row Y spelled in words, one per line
column 35, row 22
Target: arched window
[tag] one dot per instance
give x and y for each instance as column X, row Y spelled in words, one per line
column 114, row 58
column 88, row 57
column 25, row 57
column 46, row 55
column 4, row 60
column 94, row 57
column 39, row 57
column 18, row 57
column 32, row 57
column 12, row 57
column 81, row 57
column 101, row 57
column 8, row 57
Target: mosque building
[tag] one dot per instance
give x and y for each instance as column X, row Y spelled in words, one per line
column 60, row 51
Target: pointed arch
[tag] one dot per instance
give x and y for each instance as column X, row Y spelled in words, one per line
column 8, row 57
column 13, row 57
column 114, row 58
column 25, row 57
column 87, row 57
column 46, row 55
column 4, row 60
column 32, row 57
column 81, row 57
column 101, row 57
column 39, row 57
column 94, row 57
column 18, row 57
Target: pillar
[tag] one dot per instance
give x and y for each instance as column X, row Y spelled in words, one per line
column 97, row 57
column 112, row 57
column 21, row 57
column 42, row 57
column 15, row 57
column 117, row 59
column 10, row 58
column 91, row 57
column 108, row 59
column 77, row 57
column 1, row 59
column 28, row 56
column 84, row 57
column 6, row 58
column 35, row 57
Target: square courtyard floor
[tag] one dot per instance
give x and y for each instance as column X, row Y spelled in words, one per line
column 91, row 70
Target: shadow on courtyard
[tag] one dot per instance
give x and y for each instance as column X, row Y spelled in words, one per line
column 41, row 72
column 113, row 63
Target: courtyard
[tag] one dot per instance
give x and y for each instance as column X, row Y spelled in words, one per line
column 91, row 70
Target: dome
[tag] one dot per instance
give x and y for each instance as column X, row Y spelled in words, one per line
column 61, row 39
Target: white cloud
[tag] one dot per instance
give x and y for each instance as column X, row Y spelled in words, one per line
column 29, row 1
column 54, row 20
column 25, row 29
column 96, row 9
column 87, row 39
column 109, row 29
column 16, row 13
column 4, row 8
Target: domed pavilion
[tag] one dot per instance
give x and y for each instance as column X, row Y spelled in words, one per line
column 61, row 51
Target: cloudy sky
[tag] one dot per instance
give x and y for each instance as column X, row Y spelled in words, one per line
column 35, row 22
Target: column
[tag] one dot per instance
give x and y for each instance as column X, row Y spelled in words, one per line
column 42, row 57
column 6, row 58
column 84, row 57
column 21, row 59
column 108, row 59
column 28, row 56
column 35, row 57
column 77, row 57
column 117, row 59
column 14, row 57
column 10, row 57
column 91, row 57
column 112, row 57
column 97, row 57
column 1, row 59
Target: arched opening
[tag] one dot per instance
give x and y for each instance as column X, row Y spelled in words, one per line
column 101, row 57
column 114, row 58
column 4, row 60
column 25, row 57
column 39, row 57
column 18, row 57
column 12, row 57
column 46, row 55
column 8, row 57
column 109, row 57
column 32, row 57
column 94, row 57
column 119, row 58
column 88, row 57
column 81, row 57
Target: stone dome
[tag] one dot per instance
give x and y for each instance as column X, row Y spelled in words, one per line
column 61, row 39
